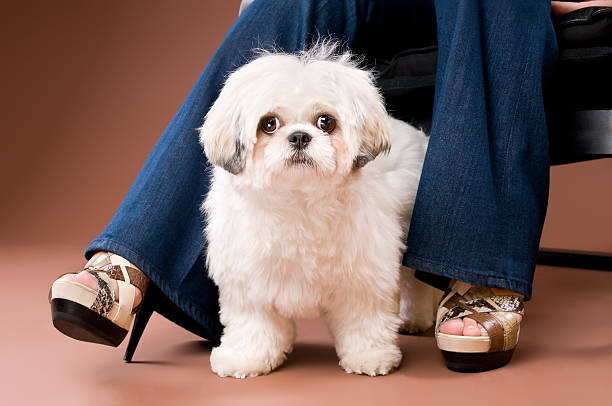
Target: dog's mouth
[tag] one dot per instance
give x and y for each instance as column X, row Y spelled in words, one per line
column 300, row 159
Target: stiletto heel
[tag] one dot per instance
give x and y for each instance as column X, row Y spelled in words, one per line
column 140, row 321
column 157, row 301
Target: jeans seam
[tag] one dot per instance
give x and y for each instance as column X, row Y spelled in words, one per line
column 506, row 184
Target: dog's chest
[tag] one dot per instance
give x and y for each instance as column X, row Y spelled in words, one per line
column 299, row 255
column 310, row 240
column 293, row 254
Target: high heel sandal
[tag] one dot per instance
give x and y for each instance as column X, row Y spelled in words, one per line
column 493, row 312
column 94, row 316
column 86, row 315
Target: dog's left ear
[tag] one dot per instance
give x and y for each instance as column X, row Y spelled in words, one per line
column 373, row 117
column 220, row 135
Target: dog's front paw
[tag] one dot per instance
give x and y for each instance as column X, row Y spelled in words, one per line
column 372, row 362
column 227, row 362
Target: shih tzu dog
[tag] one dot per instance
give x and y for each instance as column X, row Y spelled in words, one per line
column 312, row 192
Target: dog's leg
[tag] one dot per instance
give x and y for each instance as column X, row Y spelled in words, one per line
column 255, row 341
column 365, row 331
column 418, row 303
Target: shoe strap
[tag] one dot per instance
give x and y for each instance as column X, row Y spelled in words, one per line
column 105, row 297
column 460, row 287
column 120, row 269
column 502, row 330
column 127, row 294
column 110, row 266
column 483, row 306
column 456, row 287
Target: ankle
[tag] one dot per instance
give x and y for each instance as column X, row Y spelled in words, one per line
column 93, row 259
column 103, row 258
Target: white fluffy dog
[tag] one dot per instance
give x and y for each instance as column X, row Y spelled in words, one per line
column 311, row 198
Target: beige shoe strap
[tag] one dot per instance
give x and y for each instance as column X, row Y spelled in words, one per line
column 510, row 328
column 456, row 288
column 460, row 287
column 127, row 293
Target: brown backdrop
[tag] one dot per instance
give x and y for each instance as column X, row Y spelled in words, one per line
column 88, row 87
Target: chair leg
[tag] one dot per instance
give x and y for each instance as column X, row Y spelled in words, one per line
column 575, row 259
column 140, row 321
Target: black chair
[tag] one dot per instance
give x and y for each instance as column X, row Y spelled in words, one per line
column 579, row 103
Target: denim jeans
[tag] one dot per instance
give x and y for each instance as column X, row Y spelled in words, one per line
column 483, row 193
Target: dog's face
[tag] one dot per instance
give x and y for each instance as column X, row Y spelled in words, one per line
column 291, row 119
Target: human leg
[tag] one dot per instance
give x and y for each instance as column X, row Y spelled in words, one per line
column 483, row 193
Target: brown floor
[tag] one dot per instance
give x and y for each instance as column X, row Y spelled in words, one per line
column 564, row 356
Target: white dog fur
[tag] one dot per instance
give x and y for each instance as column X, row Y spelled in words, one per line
column 315, row 233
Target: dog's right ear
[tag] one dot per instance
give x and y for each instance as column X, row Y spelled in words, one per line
column 220, row 134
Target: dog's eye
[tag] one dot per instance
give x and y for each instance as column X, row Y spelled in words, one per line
column 326, row 123
column 269, row 125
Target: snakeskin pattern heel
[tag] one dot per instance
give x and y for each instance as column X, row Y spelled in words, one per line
column 491, row 311
column 94, row 316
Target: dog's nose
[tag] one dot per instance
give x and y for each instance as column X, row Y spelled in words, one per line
column 299, row 139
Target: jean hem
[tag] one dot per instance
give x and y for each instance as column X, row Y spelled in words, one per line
column 132, row 255
column 469, row 276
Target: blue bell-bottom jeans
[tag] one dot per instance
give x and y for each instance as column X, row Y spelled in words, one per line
column 483, row 193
